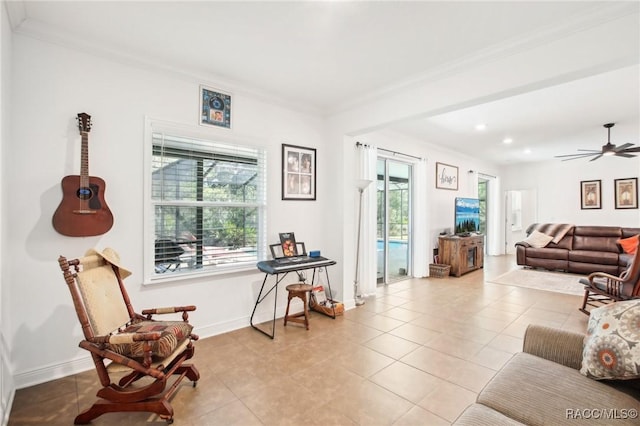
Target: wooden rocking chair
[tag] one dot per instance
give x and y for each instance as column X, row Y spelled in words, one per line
column 122, row 343
column 601, row 288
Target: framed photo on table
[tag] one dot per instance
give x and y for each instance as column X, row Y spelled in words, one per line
column 298, row 173
column 626, row 193
column 590, row 194
column 215, row 108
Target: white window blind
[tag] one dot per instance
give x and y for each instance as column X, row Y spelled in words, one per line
column 208, row 202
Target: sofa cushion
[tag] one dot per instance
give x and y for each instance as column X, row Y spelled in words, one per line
column 536, row 391
column 481, row 415
column 538, row 239
column 548, row 253
column 599, row 244
column 597, row 257
column 612, row 344
column 172, row 333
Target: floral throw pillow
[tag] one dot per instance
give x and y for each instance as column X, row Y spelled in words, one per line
column 612, row 344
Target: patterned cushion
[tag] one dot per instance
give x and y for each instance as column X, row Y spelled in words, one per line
column 172, row 333
column 612, row 344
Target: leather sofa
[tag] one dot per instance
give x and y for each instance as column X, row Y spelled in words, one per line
column 581, row 250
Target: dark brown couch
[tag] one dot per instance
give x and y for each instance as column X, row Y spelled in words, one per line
column 582, row 250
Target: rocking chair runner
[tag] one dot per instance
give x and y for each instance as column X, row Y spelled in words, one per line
column 602, row 288
column 122, row 341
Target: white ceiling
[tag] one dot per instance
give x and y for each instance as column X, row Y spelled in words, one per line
column 325, row 56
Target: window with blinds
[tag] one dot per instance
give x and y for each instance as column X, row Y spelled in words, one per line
column 208, row 204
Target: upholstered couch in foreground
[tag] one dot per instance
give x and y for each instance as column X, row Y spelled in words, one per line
column 543, row 385
column 577, row 249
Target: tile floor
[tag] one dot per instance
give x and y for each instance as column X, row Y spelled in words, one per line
column 417, row 354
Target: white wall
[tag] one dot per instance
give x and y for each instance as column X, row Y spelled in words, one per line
column 557, row 185
column 51, row 85
column 6, row 378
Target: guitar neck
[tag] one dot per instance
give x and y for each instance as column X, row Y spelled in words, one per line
column 84, row 160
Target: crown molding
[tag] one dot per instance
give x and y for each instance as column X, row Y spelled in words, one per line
column 53, row 35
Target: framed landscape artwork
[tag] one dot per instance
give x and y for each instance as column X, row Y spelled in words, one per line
column 590, row 194
column 626, row 193
column 298, row 173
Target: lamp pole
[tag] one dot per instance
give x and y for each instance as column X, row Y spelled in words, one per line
column 361, row 184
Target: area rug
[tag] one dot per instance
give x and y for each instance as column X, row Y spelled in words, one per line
column 559, row 282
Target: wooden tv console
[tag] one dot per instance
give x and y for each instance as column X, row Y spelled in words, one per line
column 464, row 254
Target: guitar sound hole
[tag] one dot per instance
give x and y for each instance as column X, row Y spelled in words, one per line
column 84, row 193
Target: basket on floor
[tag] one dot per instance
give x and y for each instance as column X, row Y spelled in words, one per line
column 437, row 270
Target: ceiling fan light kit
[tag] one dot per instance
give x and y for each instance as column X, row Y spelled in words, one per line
column 608, row 150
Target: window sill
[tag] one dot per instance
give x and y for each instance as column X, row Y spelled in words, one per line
column 171, row 277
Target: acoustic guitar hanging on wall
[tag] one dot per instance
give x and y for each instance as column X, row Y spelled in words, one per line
column 83, row 212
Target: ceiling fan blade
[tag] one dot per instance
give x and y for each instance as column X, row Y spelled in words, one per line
column 622, row 154
column 574, row 157
column 579, row 155
column 595, row 158
column 636, row 149
column 623, row 147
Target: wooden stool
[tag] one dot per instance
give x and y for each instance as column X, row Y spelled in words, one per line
column 298, row 290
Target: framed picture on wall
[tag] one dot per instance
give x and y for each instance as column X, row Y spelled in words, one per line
column 446, row 176
column 298, row 173
column 626, row 193
column 215, row 108
column 590, row 194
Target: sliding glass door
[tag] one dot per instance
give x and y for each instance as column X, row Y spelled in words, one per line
column 393, row 220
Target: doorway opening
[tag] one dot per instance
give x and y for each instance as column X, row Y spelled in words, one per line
column 394, row 191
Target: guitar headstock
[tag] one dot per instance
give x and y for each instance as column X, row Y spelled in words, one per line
column 84, row 122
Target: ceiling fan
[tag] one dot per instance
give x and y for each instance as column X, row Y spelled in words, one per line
column 607, row 150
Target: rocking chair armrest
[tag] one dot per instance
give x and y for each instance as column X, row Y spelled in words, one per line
column 169, row 310
column 602, row 275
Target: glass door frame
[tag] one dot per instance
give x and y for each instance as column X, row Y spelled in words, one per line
column 385, row 279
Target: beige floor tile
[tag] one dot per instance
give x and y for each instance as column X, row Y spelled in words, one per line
column 406, row 381
column 391, row 346
column 491, row 358
column 448, row 400
column 456, row 346
column 415, row 333
column 418, row 416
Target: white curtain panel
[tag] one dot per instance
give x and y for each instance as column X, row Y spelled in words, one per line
column 494, row 230
column 367, row 156
column 420, row 235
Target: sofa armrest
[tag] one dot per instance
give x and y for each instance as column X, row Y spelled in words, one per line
column 561, row 346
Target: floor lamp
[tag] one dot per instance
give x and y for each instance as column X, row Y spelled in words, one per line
column 361, row 184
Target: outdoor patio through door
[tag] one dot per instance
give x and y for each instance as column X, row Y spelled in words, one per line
column 393, row 220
